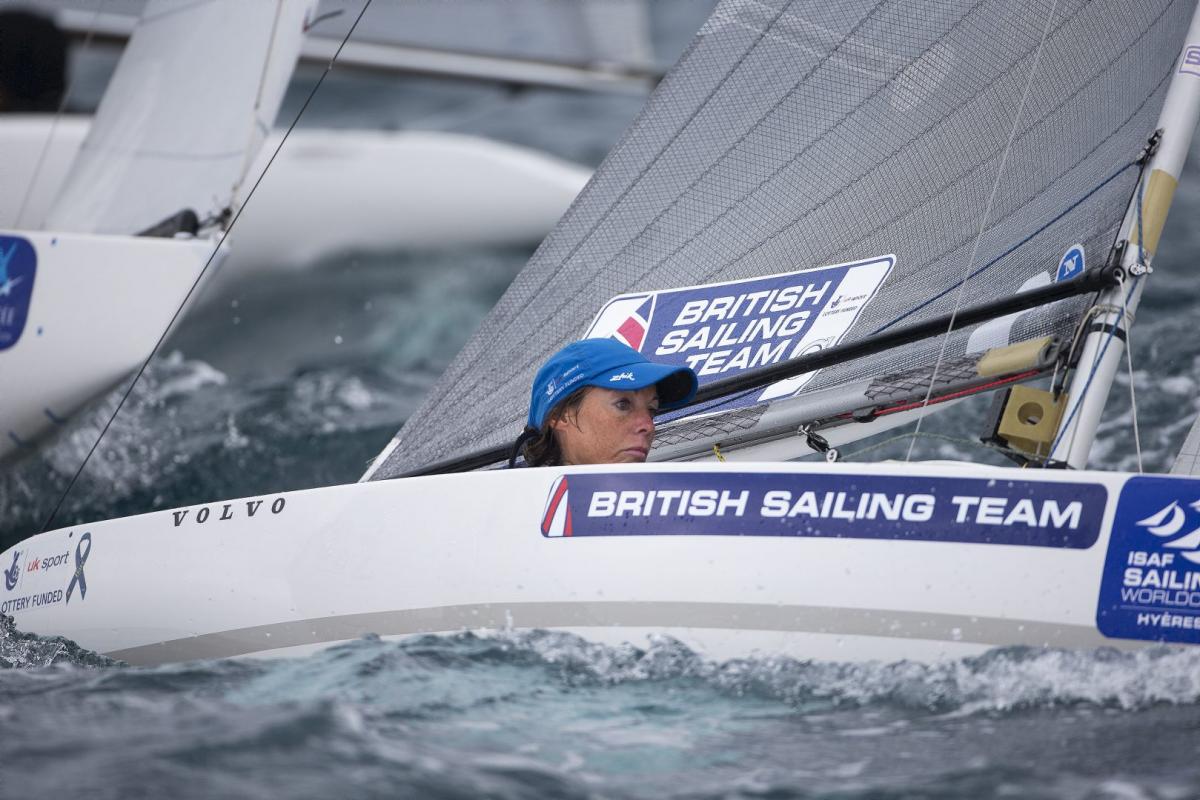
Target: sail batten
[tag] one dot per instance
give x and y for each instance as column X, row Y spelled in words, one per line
column 795, row 135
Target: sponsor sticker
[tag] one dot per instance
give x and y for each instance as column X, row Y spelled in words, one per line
column 1013, row 512
column 1191, row 60
column 241, row 509
column 18, row 265
column 1070, row 265
column 722, row 329
column 1151, row 584
column 65, row 584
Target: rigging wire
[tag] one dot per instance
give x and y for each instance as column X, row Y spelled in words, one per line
column 1123, row 320
column 62, row 106
column 1137, row 439
column 200, row 277
column 1143, row 268
column 987, row 212
column 974, row 443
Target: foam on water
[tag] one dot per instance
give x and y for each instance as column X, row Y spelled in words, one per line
column 544, row 714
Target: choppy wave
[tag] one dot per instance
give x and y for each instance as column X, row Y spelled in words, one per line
column 19, row 650
column 546, row 714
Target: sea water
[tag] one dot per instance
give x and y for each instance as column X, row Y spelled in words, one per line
column 550, row 715
column 273, row 385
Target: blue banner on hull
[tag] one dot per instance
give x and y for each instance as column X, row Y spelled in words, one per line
column 18, row 265
column 1014, row 512
column 1151, row 584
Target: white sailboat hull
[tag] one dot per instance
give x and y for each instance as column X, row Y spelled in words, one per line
column 333, row 191
column 297, row 571
column 97, row 306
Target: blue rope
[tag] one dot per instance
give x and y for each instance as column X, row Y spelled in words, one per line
column 1007, row 252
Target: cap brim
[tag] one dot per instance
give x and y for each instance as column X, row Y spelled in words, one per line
column 676, row 385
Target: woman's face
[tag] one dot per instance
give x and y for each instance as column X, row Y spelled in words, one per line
column 611, row 427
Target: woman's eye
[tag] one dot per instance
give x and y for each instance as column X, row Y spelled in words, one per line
column 623, row 404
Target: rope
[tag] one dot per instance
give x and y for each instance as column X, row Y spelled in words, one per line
column 917, row 308
column 913, row 435
column 183, row 304
column 1087, row 384
column 1137, row 439
column 987, row 212
column 1126, row 323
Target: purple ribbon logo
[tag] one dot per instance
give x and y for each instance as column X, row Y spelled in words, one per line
column 81, row 557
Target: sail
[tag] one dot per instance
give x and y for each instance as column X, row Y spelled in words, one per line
column 580, row 44
column 194, row 94
column 976, row 144
column 1187, row 462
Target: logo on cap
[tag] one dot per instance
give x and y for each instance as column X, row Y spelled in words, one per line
column 621, row 376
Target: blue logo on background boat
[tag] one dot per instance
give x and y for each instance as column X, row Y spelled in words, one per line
column 931, row 509
column 18, row 265
column 1151, row 584
column 1071, row 265
column 12, row 573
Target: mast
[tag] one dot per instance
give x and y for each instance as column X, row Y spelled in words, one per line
column 1114, row 311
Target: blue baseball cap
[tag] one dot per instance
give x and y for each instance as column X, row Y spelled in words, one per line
column 612, row 365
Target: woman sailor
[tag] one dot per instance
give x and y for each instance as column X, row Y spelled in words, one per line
column 594, row 401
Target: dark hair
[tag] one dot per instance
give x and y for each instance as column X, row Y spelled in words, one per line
column 540, row 448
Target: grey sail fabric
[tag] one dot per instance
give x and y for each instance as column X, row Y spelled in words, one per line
column 797, row 134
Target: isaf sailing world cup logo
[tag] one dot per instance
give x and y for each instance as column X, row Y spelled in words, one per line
column 1151, row 584
column 1169, row 522
column 18, row 264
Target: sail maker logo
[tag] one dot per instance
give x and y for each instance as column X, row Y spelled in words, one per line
column 1151, row 583
column 1190, row 63
column 725, row 328
column 1027, row 513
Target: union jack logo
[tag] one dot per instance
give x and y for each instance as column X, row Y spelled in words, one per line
column 556, row 521
column 633, row 330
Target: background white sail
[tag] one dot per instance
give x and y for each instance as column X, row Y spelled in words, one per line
column 179, row 124
column 583, row 44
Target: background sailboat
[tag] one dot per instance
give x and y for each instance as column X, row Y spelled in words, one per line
column 513, row 195
column 173, row 140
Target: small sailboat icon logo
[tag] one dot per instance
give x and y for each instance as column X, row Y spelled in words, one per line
column 1168, row 522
